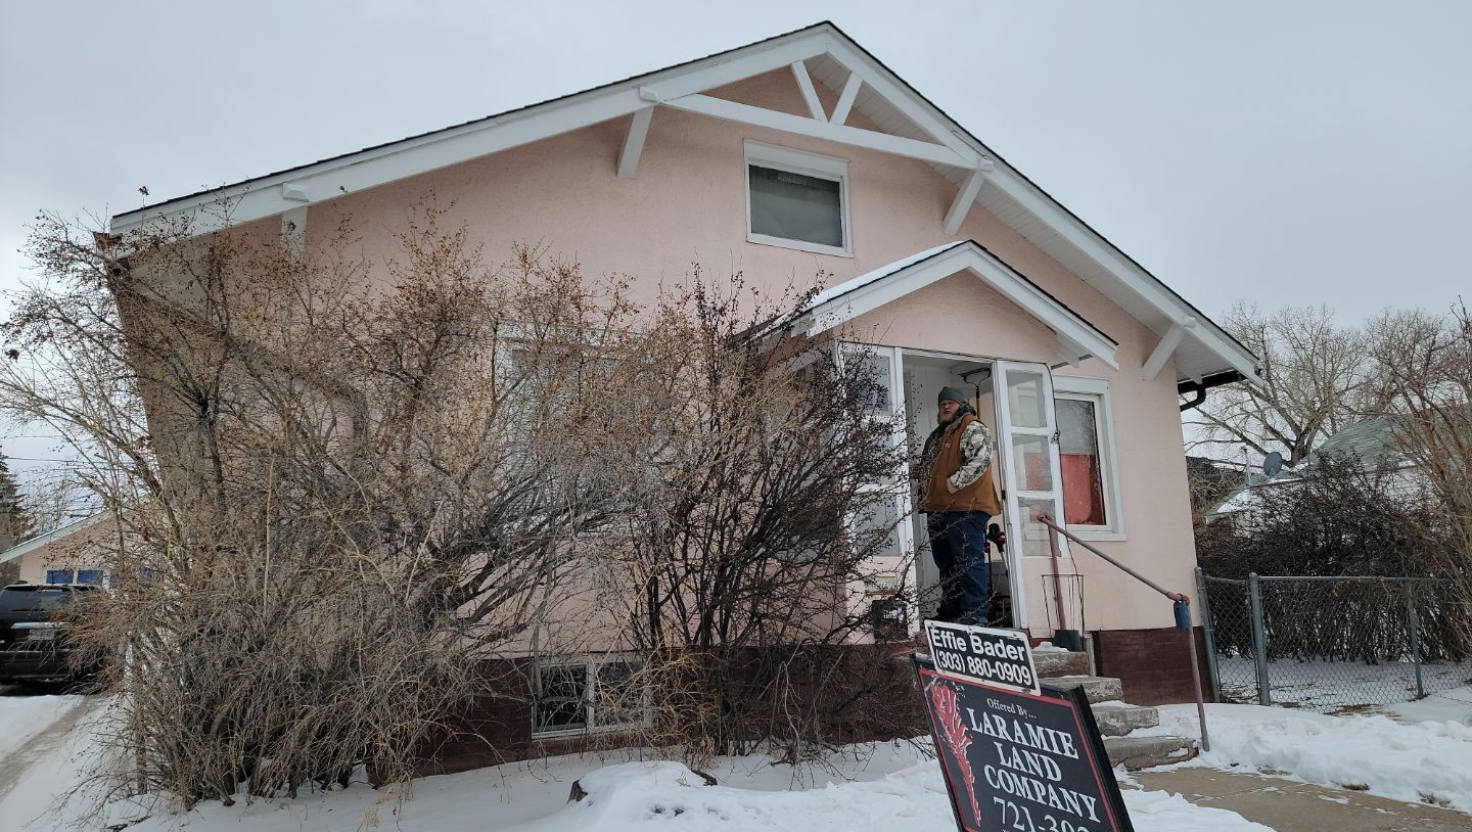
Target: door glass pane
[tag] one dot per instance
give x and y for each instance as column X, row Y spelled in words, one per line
column 1034, row 534
column 1030, row 457
column 1025, row 399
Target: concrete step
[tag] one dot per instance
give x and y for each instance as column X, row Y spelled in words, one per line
column 1060, row 663
column 1116, row 720
column 1135, row 753
column 1096, row 688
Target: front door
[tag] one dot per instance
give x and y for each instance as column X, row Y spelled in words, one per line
column 1032, row 479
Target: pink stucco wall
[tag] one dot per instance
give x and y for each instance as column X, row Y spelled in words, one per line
column 688, row 205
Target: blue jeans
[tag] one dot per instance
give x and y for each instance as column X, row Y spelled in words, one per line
column 958, row 544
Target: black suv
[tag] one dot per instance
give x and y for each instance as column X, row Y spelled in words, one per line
column 33, row 638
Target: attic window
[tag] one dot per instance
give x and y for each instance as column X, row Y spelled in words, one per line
column 797, row 200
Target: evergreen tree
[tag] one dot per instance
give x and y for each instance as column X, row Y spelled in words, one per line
column 14, row 525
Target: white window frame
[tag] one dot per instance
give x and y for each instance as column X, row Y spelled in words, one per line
column 74, row 572
column 1096, row 391
column 807, row 164
column 589, row 666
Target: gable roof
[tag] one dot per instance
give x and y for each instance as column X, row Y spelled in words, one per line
column 1077, row 337
column 907, row 122
column 52, row 536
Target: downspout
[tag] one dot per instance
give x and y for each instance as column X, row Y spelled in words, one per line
column 1197, row 389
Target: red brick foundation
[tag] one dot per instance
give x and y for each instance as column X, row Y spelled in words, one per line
column 878, row 702
column 1153, row 665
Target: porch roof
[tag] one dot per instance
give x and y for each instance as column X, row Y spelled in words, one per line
column 1077, row 337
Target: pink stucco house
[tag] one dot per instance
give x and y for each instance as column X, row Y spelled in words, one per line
column 803, row 154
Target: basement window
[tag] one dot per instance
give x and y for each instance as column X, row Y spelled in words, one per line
column 601, row 693
column 797, row 200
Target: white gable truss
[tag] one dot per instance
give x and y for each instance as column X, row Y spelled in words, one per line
column 909, row 125
column 1077, row 338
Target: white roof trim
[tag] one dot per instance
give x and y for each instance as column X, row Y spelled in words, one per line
column 328, row 179
column 52, row 536
column 1077, row 338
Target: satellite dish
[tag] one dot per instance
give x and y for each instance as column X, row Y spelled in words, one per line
column 1272, row 464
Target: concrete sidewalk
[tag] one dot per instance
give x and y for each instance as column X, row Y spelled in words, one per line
column 1296, row 807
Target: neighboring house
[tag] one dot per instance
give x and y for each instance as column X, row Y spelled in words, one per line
column 74, row 553
column 804, row 154
column 1371, row 443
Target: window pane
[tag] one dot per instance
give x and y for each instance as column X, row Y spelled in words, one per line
column 620, row 698
column 876, row 527
column 90, row 577
column 58, row 576
column 561, row 698
column 796, row 207
column 1083, row 474
column 874, row 369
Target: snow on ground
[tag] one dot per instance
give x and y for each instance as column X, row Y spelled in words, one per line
column 1426, row 755
column 22, row 717
column 1333, row 686
column 1447, row 706
column 1423, row 761
column 892, row 786
column 634, row 796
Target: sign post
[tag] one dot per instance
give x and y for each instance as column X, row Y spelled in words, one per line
column 1016, row 755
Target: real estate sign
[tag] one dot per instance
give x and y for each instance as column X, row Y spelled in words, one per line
column 1020, row 761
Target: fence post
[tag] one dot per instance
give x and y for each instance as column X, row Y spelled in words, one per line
column 1206, row 630
column 1415, row 625
column 1259, row 641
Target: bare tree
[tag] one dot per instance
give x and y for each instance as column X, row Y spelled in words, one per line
column 1426, row 364
column 1315, row 372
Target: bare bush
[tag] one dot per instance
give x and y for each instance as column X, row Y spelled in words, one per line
column 347, row 490
column 751, row 535
column 339, row 501
column 1341, row 518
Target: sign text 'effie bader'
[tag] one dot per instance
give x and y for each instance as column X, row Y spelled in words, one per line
column 1000, row 658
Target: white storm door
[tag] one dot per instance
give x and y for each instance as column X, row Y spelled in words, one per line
column 1032, row 473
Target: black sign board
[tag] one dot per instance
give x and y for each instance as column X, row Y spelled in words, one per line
column 1000, row 658
column 1020, row 761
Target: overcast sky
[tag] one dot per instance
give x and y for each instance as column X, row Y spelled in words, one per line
column 1286, row 153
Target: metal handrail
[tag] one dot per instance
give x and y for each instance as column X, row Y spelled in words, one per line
column 1174, row 596
column 1181, row 600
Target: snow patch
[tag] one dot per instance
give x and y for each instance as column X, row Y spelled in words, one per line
column 1416, row 763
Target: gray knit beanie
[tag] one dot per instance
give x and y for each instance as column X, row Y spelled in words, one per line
column 951, row 394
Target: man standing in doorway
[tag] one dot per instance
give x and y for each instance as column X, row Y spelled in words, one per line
column 956, row 471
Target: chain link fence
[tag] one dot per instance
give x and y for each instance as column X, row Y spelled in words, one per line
column 1333, row 644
